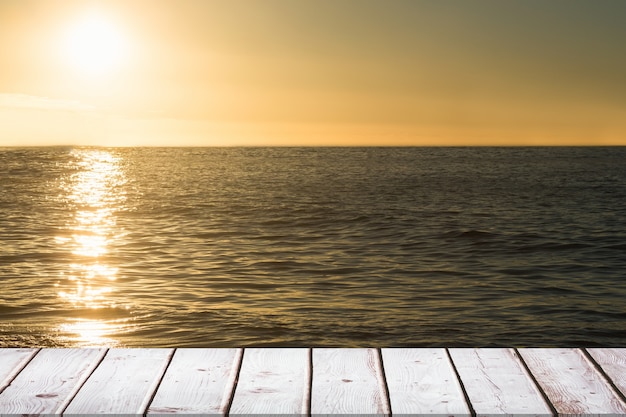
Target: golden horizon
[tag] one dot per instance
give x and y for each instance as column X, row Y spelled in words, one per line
column 207, row 73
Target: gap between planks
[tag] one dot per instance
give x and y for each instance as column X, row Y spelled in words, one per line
column 319, row 381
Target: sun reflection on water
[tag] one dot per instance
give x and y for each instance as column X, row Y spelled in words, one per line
column 94, row 193
column 92, row 333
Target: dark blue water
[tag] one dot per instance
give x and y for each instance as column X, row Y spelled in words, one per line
column 312, row 246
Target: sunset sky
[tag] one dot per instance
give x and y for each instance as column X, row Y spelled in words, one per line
column 312, row 72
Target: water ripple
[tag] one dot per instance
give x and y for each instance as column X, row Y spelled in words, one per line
column 313, row 247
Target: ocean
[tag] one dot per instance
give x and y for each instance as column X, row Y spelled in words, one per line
column 332, row 247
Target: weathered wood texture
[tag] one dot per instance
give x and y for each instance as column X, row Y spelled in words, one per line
column 313, row 382
column 497, row 383
column 422, row 381
column 613, row 363
column 49, row 381
column 198, row 381
column 11, row 363
column 571, row 382
column 348, row 381
column 124, row 383
column 272, row 381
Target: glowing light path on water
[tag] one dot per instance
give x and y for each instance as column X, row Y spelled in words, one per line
column 94, row 193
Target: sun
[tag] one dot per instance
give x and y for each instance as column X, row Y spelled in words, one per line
column 94, row 45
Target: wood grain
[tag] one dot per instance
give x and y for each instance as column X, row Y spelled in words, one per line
column 497, row 383
column 49, row 381
column 124, row 383
column 11, row 363
column 272, row 381
column 422, row 381
column 571, row 382
column 348, row 381
column 613, row 363
column 198, row 381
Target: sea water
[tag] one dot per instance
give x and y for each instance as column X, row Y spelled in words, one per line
column 312, row 246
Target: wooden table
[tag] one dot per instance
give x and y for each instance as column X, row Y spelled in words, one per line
column 316, row 382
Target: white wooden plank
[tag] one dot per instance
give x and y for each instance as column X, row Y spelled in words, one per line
column 11, row 363
column 124, row 383
column 571, row 382
column 49, row 381
column 497, row 383
column 198, row 381
column 272, row 381
column 348, row 381
column 613, row 363
column 422, row 381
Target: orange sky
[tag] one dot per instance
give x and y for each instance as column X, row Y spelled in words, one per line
column 312, row 72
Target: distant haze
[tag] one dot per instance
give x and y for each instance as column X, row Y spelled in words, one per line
column 312, row 72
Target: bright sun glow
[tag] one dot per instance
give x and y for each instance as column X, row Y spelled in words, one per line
column 94, row 45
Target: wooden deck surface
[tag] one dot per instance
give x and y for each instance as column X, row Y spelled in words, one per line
column 315, row 382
